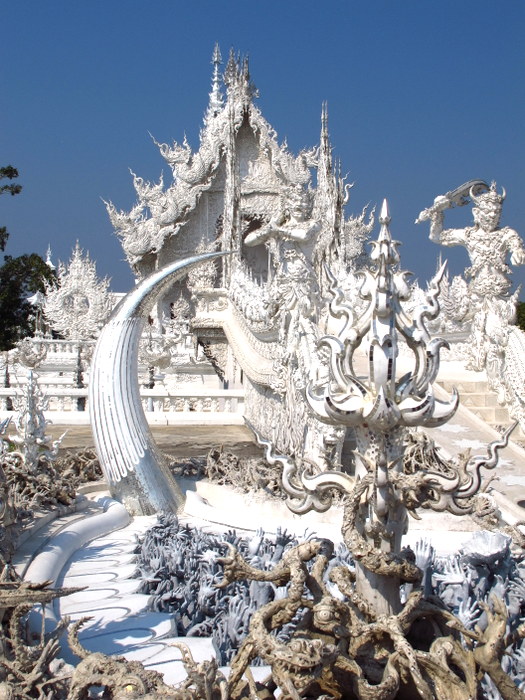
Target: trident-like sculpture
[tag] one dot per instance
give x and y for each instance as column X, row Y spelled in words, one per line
column 380, row 407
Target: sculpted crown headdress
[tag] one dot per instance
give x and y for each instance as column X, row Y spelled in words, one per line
column 489, row 197
column 296, row 195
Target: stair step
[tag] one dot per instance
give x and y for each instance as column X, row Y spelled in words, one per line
column 491, row 415
column 487, row 399
column 478, row 398
column 465, row 387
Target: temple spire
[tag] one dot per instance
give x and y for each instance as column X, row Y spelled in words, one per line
column 384, row 216
column 216, row 100
column 324, row 122
column 325, row 153
column 325, row 180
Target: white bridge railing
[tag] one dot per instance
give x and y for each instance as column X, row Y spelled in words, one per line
column 200, row 405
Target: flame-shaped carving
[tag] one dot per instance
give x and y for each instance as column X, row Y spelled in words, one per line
column 383, row 400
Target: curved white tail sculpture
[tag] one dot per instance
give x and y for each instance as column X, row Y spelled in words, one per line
column 137, row 473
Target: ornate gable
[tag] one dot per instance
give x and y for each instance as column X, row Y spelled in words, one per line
column 238, row 175
column 79, row 306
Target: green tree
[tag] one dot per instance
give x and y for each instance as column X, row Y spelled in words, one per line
column 20, row 277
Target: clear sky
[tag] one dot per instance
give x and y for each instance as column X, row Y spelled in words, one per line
column 423, row 95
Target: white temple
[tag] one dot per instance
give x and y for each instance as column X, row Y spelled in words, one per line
column 257, row 302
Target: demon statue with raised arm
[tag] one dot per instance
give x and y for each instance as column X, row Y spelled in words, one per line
column 488, row 246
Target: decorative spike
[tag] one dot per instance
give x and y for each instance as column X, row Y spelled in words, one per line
column 217, row 58
column 49, row 262
column 230, row 74
column 324, row 118
column 384, row 216
column 325, row 181
column 216, row 99
column 246, row 68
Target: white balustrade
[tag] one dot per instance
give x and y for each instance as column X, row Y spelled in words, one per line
column 186, row 400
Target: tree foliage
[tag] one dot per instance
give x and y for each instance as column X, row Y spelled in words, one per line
column 20, row 278
column 13, row 188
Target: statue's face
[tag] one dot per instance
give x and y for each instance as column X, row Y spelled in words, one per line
column 76, row 303
column 299, row 205
column 487, row 215
column 300, row 209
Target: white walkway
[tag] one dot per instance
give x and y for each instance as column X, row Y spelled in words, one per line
column 121, row 623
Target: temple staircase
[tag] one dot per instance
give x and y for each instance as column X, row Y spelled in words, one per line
column 479, row 399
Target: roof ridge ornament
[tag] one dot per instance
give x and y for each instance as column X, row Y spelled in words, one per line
column 237, row 79
column 216, row 96
column 49, row 261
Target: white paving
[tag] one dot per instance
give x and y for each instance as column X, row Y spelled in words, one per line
column 120, row 621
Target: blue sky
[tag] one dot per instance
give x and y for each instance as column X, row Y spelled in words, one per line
column 423, row 95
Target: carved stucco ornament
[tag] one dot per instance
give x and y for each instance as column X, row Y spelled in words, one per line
column 380, row 407
column 81, row 302
column 137, row 473
column 384, row 401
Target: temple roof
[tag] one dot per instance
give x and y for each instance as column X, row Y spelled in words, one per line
column 235, row 137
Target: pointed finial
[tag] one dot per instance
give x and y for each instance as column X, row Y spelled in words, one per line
column 249, row 89
column 246, row 68
column 231, row 66
column 230, row 72
column 49, row 262
column 77, row 252
column 324, row 167
column 324, row 116
column 384, row 216
column 217, row 58
column 216, row 101
column 324, row 123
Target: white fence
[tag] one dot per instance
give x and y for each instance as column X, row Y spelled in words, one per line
column 200, row 405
